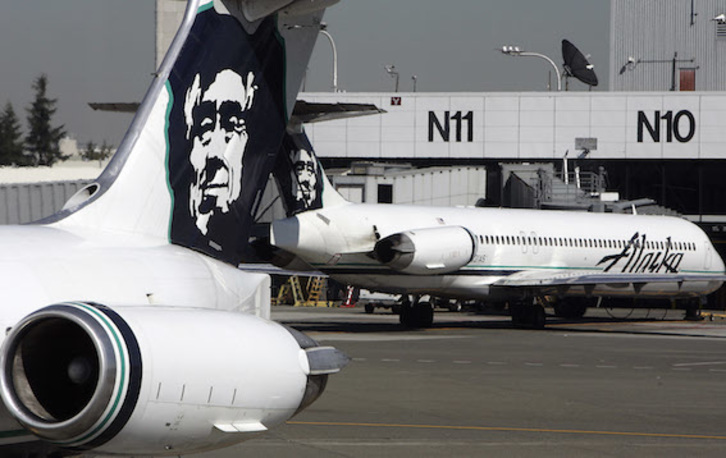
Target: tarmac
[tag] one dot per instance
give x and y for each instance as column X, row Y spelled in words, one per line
column 646, row 384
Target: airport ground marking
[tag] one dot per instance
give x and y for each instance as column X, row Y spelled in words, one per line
column 508, row 429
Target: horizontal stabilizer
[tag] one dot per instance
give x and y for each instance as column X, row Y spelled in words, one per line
column 116, row 107
column 306, row 112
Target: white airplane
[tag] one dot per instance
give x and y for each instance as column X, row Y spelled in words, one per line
column 129, row 329
column 523, row 257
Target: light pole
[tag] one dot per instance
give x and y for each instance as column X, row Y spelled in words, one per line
column 391, row 70
column 322, row 27
column 632, row 63
column 516, row 51
column 323, row 31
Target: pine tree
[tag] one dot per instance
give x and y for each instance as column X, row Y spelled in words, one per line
column 89, row 153
column 43, row 141
column 94, row 153
column 11, row 138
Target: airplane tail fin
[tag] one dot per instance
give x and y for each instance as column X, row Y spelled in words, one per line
column 300, row 178
column 195, row 161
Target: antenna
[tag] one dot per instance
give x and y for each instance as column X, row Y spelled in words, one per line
column 577, row 65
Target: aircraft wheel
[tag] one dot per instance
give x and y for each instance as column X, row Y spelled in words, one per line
column 425, row 314
column 693, row 311
column 539, row 318
column 519, row 315
column 419, row 315
column 370, row 308
column 570, row 309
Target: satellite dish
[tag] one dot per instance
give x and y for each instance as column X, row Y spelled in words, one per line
column 577, row 65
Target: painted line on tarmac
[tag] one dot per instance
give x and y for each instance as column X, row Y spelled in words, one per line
column 508, row 429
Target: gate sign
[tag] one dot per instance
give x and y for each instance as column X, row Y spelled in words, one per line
column 667, row 126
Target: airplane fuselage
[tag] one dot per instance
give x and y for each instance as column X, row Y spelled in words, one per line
column 341, row 240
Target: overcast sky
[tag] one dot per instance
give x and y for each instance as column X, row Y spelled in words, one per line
column 103, row 50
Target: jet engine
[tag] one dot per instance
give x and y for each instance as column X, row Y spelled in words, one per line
column 156, row 380
column 429, row 251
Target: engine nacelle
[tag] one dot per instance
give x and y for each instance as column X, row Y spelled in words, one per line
column 156, row 380
column 430, row 251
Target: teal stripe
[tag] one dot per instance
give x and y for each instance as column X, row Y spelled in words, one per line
column 467, row 267
column 204, row 8
column 113, row 412
column 168, row 152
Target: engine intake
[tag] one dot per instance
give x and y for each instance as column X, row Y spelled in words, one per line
column 429, row 251
column 63, row 366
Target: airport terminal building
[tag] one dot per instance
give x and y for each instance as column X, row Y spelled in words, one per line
column 667, row 146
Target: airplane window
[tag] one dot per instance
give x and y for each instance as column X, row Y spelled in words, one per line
column 519, row 241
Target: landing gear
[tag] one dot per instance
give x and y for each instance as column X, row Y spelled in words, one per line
column 528, row 315
column 417, row 314
column 570, row 309
column 693, row 311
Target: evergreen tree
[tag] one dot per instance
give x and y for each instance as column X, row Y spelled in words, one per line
column 89, row 152
column 95, row 153
column 43, row 141
column 11, row 141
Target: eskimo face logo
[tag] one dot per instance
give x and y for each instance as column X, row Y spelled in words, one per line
column 305, row 177
column 217, row 132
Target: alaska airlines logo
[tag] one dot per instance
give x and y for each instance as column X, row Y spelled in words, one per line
column 637, row 259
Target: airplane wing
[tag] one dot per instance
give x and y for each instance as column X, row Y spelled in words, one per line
column 560, row 282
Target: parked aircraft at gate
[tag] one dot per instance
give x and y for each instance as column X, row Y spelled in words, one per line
column 523, row 257
column 129, row 328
